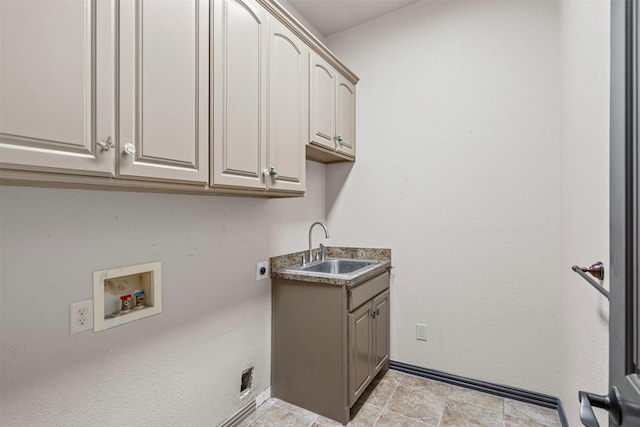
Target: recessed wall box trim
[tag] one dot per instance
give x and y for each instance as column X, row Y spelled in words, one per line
column 110, row 285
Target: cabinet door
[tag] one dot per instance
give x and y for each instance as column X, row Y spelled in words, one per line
column 381, row 331
column 56, row 85
column 163, row 87
column 360, row 346
column 345, row 117
column 288, row 108
column 239, row 94
column 323, row 103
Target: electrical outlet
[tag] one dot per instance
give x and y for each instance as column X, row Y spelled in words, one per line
column 421, row 332
column 80, row 316
column 262, row 270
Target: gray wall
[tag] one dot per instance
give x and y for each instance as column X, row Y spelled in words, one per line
column 459, row 172
column 181, row 367
column 585, row 198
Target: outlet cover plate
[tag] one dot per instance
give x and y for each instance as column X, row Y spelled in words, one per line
column 80, row 316
column 259, row 267
column 421, row 332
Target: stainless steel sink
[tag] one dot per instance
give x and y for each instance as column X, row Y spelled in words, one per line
column 334, row 267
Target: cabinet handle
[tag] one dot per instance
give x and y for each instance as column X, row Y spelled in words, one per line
column 107, row 145
column 338, row 138
column 273, row 172
column 129, row 148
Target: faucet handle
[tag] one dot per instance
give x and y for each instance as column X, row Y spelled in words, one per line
column 323, row 251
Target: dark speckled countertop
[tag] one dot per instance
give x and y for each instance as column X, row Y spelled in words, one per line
column 276, row 264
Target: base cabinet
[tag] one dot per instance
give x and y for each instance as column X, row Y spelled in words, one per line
column 329, row 342
column 368, row 343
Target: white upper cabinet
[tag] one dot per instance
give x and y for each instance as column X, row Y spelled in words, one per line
column 58, row 83
column 345, row 117
column 239, row 95
column 323, row 103
column 288, row 113
column 193, row 95
column 260, row 100
column 332, row 111
column 56, row 86
column 163, row 105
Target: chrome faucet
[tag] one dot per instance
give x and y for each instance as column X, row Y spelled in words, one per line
column 326, row 234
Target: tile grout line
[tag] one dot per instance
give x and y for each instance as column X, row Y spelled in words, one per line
column 313, row 421
column 379, row 416
column 504, row 412
column 384, row 408
column 446, row 400
column 395, row 389
column 407, row 417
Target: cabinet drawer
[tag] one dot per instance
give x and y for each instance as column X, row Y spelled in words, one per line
column 367, row 290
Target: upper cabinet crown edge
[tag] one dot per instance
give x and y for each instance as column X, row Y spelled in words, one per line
column 278, row 11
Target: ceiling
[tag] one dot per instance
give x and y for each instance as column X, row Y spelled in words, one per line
column 332, row 16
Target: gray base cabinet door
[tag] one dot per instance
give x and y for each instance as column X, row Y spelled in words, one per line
column 381, row 324
column 360, row 345
column 368, row 343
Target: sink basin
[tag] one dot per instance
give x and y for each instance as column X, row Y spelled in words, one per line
column 334, row 267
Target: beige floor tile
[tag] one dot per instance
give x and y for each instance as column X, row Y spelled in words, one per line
column 399, row 400
column 276, row 416
column 366, row 416
column 293, row 408
column 391, row 419
column 394, row 376
column 457, row 414
column 472, row 397
column 527, row 412
column 381, row 394
column 419, row 384
column 420, row 403
column 510, row 421
column 326, row 422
